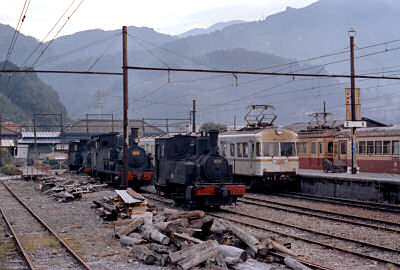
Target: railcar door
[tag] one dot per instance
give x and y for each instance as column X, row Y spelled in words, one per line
column 342, row 151
column 252, row 157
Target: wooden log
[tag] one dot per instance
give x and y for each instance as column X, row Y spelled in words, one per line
column 150, row 233
column 130, row 241
column 198, row 223
column 281, row 248
column 121, row 222
column 109, row 207
column 247, row 238
column 220, row 261
column 144, row 254
column 197, row 258
column 134, row 194
column 232, row 252
column 251, row 264
column 170, row 211
column 217, row 227
column 170, row 226
column 160, row 248
column 130, row 227
column 267, row 242
column 188, row 238
column 185, row 253
column 232, row 261
column 295, row 265
column 190, row 215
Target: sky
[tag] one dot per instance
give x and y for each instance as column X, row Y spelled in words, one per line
column 165, row 16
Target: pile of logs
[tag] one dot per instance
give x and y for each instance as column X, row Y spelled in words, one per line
column 69, row 188
column 130, row 204
column 185, row 240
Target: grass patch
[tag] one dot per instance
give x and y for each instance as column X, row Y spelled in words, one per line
column 30, row 243
column 5, row 247
column 10, row 170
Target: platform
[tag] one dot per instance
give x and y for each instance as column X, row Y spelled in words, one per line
column 362, row 186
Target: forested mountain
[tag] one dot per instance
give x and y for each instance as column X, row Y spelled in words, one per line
column 291, row 35
column 212, row 28
column 23, row 94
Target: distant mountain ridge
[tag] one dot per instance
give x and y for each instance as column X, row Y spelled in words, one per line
column 212, row 28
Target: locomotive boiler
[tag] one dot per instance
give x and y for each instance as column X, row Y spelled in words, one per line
column 191, row 171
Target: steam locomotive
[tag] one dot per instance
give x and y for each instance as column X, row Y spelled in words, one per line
column 102, row 157
column 191, row 171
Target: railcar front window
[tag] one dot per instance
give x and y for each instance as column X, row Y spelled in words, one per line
column 386, row 148
column 288, row 149
column 232, row 150
column 270, row 149
column 395, row 147
column 245, row 150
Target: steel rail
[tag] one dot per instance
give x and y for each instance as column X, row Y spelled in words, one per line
column 19, row 244
column 341, row 201
column 235, row 72
column 265, row 204
column 76, row 256
column 327, row 211
column 371, row 257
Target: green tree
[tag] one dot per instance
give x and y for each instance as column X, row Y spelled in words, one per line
column 212, row 126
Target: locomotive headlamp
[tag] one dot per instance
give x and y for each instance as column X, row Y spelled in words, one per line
column 136, row 140
column 278, row 131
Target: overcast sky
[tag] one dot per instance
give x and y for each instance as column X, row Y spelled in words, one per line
column 166, row 16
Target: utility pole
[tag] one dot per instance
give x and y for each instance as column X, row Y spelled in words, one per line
column 194, row 116
column 125, row 86
column 352, row 34
column 234, row 122
column 34, row 135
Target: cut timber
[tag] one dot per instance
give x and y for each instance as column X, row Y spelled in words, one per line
column 121, row 222
column 217, row 227
column 186, row 253
column 232, row 252
column 295, row 265
column 130, row 241
column 134, row 194
column 169, row 226
column 169, row 211
column 150, row 233
column 197, row 258
column 130, row 227
column 144, row 254
column 190, row 214
column 247, row 238
column 232, row 261
column 198, row 223
column 252, row 264
column 188, row 238
column 220, row 261
column 282, row 248
column 160, row 248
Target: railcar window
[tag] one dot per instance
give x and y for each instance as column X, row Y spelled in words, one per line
column 330, row 147
column 395, row 147
column 232, row 149
column 343, row 148
column 370, row 147
column 386, row 148
column 361, row 148
column 378, row 147
column 313, row 148
column 270, row 149
column 302, row 147
column 258, row 149
column 288, row 149
column 75, row 148
column 335, row 148
column 245, row 149
column 320, row 148
column 239, row 150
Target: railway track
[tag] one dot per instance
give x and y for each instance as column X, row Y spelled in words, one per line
column 39, row 245
column 359, row 248
column 391, row 208
column 325, row 214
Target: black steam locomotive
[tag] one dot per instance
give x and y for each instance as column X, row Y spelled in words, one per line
column 75, row 158
column 102, row 157
column 191, row 171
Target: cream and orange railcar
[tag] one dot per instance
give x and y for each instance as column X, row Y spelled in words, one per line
column 265, row 154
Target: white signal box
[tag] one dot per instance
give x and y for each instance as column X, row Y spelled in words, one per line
column 355, row 124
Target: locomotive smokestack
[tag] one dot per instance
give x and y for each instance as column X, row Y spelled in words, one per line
column 213, row 141
column 134, row 135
